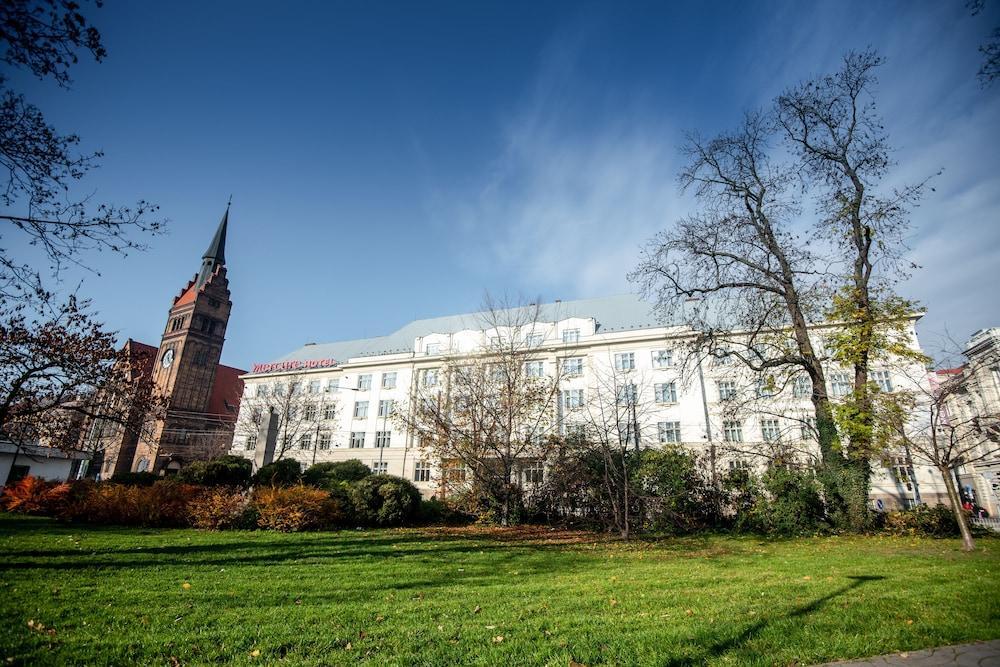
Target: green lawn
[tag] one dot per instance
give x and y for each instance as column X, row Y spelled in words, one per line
column 435, row 597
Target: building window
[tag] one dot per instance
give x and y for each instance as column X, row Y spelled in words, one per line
column 625, row 361
column 422, row 471
column 383, row 438
column 534, row 340
column 840, row 384
column 727, row 390
column 628, row 394
column 333, row 384
column 324, row 442
column 313, row 387
column 330, row 411
column 294, row 388
column 732, row 431
column 364, row 382
column 380, row 468
column 309, row 412
column 771, row 430
column 533, row 473
column 628, row 434
column 279, row 389
column 663, row 358
column 668, row 431
column 357, row 440
column 808, row 429
column 572, row 398
column 572, row 367
column 802, row 386
column 251, row 443
column 665, row 392
column 883, row 380
column 454, row 472
column 722, row 358
column 385, row 408
column 305, row 441
column 262, row 390
column 432, row 348
column 143, row 465
column 739, row 464
column 388, row 380
column 430, row 377
column 534, row 369
column 361, row 409
column 570, row 336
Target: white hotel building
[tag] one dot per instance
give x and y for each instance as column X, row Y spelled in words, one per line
column 354, row 385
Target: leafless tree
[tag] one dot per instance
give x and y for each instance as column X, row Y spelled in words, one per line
column 61, row 371
column 937, row 424
column 302, row 405
column 489, row 411
column 41, row 165
column 990, row 68
column 741, row 272
column 607, row 415
column 833, row 125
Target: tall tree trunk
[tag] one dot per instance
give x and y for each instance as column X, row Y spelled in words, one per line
column 956, row 507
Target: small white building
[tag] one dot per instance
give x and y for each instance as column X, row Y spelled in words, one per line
column 49, row 463
column 351, row 388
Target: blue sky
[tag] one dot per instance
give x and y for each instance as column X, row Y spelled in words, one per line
column 392, row 161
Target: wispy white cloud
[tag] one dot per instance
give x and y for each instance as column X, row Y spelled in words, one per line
column 583, row 180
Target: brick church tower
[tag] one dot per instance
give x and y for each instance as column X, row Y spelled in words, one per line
column 202, row 396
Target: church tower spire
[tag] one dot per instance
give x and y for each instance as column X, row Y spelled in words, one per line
column 216, row 253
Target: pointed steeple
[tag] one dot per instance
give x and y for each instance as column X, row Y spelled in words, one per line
column 216, row 253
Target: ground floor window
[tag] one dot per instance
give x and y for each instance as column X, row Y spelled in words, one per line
column 422, row 471
column 380, row 467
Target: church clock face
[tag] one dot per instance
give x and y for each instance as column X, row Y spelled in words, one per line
column 168, row 358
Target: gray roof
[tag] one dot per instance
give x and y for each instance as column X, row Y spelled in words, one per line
column 623, row 312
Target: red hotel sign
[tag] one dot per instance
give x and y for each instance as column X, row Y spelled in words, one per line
column 293, row 365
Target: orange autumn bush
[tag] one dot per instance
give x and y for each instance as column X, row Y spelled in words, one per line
column 33, row 495
column 164, row 504
column 221, row 507
column 297, row 508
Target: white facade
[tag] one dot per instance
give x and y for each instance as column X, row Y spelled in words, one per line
column 46, row 463
column 583, row 342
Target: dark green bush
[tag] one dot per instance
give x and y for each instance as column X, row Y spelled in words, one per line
column 791, row 505
column 329, row 475
column 385, row 500
column 677, row 498
column 283, row 472
column 226, row 470
column 437, row 512
column 136, row 478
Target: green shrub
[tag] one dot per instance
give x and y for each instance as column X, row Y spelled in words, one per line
column 221, row 507
column 385, row 500
column 296, row 508
column 283, row 472
column 329, row 475
column 792, row 504
column 929, row 520
column 226, row 470
column 136, row 478
column 435, row 512
column 674, row 492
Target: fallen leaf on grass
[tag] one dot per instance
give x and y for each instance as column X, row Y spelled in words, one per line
column 498, row 639
column 186, row 586
column 348, row 647
column 477, row 609
column 909, row 621
column 255, row 653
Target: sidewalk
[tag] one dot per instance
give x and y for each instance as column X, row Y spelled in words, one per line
column 978, row 654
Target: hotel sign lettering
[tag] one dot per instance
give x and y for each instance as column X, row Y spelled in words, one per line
column 293, row 365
